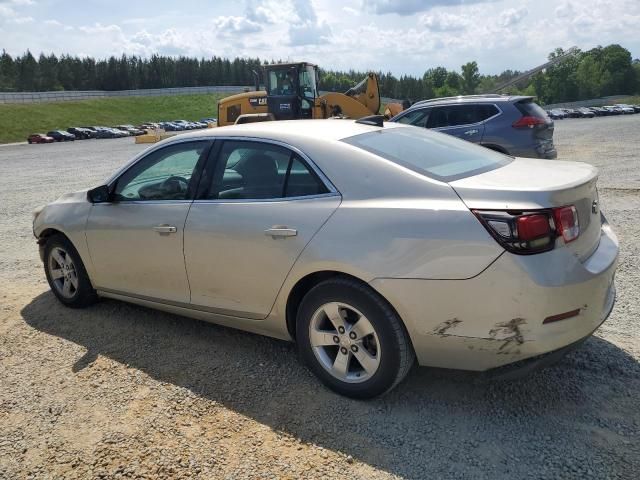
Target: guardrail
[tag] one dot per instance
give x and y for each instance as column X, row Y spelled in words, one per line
column 75, row 95
column 68, row 95
column 596, row 102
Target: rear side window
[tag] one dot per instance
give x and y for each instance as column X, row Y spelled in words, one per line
column 530, row 108
column 254, row 170
column 432, row 154
column 454, row 115
column 486, row 111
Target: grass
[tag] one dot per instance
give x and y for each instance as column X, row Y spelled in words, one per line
column 19, row 121
column 629, row 100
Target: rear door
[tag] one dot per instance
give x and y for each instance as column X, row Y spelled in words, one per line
column 462, row 121
column 248, row 227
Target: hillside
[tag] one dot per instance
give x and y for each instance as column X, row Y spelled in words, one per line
column 18, row 121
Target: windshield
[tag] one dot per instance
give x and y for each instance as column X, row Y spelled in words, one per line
column 308, row 82
column 282, row 82
column 433, row 154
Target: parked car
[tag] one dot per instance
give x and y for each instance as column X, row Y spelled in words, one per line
column 514, row 125
column 61, row 136
column 586, row 113
column 556, row 114
column 171, row 127
column 360, row 246
column 636, row 108
column 39, row 138
column 131, row 130
column 626, row 109
column 572, row 113
column 81, row 133
column 107, row 132
column 613, row 110
column 599, row 111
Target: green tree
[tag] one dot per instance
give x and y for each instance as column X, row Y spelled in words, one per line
column 470, row 78
column 7, row 72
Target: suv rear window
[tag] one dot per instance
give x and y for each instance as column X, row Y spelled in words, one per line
column 433, row 154
column 530, row 108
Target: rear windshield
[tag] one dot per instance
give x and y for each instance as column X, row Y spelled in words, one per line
column 530, row 108
column 433, row 154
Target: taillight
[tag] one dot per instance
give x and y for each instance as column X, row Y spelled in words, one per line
column 531, row 231
column 566, row 219
column 528, row 121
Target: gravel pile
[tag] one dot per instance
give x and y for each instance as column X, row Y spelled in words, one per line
column 118, row 391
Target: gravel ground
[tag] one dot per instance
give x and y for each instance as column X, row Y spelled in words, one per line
column 118, row 391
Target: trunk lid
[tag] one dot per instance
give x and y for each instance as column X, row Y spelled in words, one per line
column 530, row 184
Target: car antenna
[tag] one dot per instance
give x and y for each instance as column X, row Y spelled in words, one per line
column 374, row 120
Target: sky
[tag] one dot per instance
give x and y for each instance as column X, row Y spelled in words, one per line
column 398, row 36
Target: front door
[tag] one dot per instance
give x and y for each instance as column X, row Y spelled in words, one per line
column 245, row 233
column 136, row 239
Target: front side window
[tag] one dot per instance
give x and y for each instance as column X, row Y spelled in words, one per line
column 165, row 174
column 308, row 82
column 254, row 171
column 417, row 118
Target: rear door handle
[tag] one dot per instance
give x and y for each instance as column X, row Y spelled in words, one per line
column 278, row 231
column 165, row 229
column 471, row 132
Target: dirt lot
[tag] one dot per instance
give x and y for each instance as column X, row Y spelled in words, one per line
column 118, row 391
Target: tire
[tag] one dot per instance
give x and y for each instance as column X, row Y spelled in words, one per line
column 66, row 273
column 386, row 350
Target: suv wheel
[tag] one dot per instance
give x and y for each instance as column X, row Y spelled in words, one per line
column 352, row 340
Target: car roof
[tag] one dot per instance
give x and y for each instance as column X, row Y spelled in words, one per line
column 472, row 99
column 292, row 130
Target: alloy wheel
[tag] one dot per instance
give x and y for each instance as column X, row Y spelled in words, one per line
column 62, row 270
column 344, row 342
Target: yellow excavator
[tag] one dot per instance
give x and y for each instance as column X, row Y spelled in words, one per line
column 291, row 93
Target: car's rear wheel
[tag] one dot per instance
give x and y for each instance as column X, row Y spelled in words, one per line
column 66, row 274
column 352, row 339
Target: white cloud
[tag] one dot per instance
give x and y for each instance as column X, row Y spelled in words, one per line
column 261, row 12
column 443, row 22
column 306, row 28
column 512, row 16
column 232, row 26
column 169, row 42
column 22, row 20
column 409, row 7
column 53, row 23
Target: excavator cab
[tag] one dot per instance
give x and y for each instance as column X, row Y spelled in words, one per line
column 291, row 90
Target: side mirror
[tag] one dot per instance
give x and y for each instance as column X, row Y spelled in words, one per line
column 99, row 194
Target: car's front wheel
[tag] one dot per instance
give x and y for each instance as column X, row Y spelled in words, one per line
column 352, row 339
column 66, row 274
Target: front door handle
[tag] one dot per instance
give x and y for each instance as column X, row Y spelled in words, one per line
column 281, row 231
column 471, row 132
column 165, row 229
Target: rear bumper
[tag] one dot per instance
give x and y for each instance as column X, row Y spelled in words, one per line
column 496, row 318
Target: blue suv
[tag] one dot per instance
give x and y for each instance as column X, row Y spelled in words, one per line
column 514, row 125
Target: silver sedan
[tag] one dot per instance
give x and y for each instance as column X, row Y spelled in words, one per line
column 370, row 246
